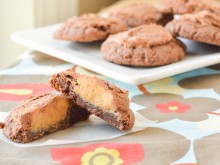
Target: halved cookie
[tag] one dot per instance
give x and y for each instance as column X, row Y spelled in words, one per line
column 146, row 45
column 38, row 116
column 99, row 97
column 137, row 14
column 202, row 26
column 88, row 28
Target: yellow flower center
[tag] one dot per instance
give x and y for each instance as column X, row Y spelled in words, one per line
column 101, row 158
column 173, row 108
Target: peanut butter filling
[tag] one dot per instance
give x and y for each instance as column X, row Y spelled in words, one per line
column 97, row 96
column 51, row 114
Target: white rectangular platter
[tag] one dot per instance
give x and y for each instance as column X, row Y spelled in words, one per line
column 88, row 55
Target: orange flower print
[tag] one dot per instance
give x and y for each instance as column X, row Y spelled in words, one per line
column 102, row 156
column 173, row 107
column 102, row 153
column 18, row 92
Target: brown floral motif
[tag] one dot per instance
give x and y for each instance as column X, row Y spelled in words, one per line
column 207, row 149
column 190, row 109
column 160, row 145
column 43, row 59
column 165, row 85
column 202, row 82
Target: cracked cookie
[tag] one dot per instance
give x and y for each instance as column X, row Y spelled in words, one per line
column 100, row 98
column 188, row 6
column 38, row 116
column 203, row 27
column 88, row 28
column 146, row 45
column 137, row 14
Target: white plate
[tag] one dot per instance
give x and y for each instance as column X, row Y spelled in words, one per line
column 88, row 55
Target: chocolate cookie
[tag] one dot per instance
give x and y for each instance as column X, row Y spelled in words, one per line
column 100, row 98
column 188, row 6
column 38, row 116
column 203, row 27
column 137, row 14
column 89, row 27
column 146, row 45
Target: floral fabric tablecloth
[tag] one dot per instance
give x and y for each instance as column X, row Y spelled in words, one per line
column 185, row 108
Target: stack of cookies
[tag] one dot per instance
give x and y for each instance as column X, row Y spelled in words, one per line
column 134, row 35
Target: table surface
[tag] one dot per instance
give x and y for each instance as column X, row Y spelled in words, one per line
column 186, row 108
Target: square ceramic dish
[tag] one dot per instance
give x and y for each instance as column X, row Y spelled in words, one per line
column 88, row 55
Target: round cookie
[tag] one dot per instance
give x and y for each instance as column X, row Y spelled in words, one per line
column 88, row 28
column 203, row 27
column 146, row 45
column 188, row 6
column 137, row 14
